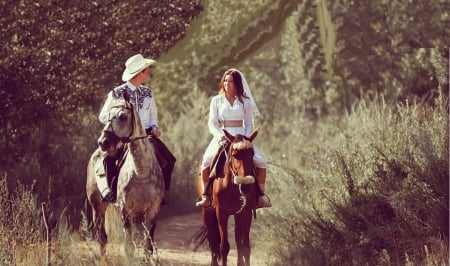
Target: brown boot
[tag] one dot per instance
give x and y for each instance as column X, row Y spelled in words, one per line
column 205, row 201
column 261, row 177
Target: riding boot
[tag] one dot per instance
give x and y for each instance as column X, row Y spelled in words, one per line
column 166, row 161
column 261, row 177
column 167, row 175
column 102, row 179
column 111, row 172
column 205, row 201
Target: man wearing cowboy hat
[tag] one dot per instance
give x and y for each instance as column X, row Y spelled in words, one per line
column 136, row 73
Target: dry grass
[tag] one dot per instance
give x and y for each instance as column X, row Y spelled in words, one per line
column 323, row 176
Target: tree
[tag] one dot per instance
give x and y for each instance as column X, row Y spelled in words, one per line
column 382, row 48
column 59, row 58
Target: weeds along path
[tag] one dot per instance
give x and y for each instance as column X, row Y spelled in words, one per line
column 173, row 241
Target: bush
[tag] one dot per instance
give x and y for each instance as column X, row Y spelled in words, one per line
column 378, row 193
column 20, row 224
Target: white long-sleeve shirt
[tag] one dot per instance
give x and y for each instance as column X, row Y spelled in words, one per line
column 220, row 109
column 142, row 99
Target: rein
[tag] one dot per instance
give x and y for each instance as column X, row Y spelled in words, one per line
column 237, row 146
column 133, row 121
column 230, row 165
column 241, row 145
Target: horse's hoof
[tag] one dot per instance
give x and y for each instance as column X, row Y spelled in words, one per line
column 166, row 199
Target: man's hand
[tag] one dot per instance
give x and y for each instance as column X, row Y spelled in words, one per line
column 155, row 133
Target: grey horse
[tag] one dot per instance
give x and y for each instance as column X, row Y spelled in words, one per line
column 140, row 187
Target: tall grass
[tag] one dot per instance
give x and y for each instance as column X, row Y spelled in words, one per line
column 370, row 189
column 20, row 226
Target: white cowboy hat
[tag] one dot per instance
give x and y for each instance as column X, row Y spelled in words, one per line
column 134, row 65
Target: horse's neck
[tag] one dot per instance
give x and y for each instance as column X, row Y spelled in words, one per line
column 143, row 157
column 141, row 150
column 228, row 174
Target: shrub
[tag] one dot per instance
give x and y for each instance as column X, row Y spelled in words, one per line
column 378, row 192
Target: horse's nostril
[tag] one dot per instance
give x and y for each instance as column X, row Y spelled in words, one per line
column 104, row 144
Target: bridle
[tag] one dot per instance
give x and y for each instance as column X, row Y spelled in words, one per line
column 233, row 167
column 128, row 106
column 241, row 145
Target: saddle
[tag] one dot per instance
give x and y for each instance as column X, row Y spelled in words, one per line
column 113, row 168
column 121, row 157
column 218, row 162
column 217, row 170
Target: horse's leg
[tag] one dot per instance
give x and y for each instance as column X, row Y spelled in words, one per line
column 150, row 227
column 210, row 220
column 238, row 239
column 243, row 223
column 129, row 247
column 99, row 221
column 224, row 244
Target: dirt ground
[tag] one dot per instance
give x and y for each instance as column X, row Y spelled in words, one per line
column 173, row 242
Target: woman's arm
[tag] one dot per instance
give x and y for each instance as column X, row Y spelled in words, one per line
column 248, row 117
column 213, row 119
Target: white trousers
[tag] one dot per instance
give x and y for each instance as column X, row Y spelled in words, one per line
column 214, row 145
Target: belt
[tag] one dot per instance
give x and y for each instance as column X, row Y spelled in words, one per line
column 231, row 123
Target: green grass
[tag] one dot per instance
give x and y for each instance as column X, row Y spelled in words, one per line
column 370, row 188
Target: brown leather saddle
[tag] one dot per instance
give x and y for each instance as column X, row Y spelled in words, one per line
column 218, row 162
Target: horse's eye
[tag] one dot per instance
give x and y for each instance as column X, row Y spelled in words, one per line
column 122, row 117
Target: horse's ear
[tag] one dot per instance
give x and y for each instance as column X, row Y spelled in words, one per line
column 126, row 96
column 228, row 135
column 253, row 135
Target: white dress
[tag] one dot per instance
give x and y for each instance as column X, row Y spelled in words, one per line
column 220, row 109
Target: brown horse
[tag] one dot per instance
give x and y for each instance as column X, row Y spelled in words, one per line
column 234, row 193
column 140, row 186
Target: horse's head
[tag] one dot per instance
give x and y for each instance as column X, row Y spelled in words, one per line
column 240, row 157
column 120, row 125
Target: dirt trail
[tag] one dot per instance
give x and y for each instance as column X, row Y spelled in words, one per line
column 173, row 242
column 173, row 236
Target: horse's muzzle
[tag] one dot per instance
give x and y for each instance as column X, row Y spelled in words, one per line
column 104, row 144
column 107, row 140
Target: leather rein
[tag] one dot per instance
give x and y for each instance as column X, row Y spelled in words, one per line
column 133, row 121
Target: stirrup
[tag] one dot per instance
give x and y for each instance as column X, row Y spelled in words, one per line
column 263, row 203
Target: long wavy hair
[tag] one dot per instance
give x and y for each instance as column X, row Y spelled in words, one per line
column 237, row 79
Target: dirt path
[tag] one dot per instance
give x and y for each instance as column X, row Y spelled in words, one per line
column 173, row 238
column 173, row 242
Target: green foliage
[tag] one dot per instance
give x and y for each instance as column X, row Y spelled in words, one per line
column 59, row 59
column 341, row 185
column 378, row 48
column 187, row 138
column 376, row 191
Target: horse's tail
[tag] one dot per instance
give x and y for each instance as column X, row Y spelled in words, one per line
column 208, row 231
column 200, row 237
